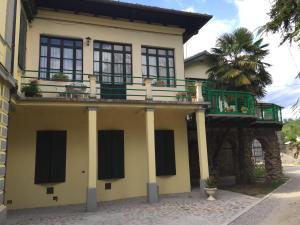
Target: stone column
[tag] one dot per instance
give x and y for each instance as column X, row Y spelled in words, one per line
column 199, row 96
column 91, row 200
column 93, row 86
column 152, row 188
column 148, row 85
column 202, row 147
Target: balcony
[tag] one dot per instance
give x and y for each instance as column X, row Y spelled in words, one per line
column 232, row 103
column 110, row 87
column 267, row 112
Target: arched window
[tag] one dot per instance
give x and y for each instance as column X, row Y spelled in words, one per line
column 257, row 152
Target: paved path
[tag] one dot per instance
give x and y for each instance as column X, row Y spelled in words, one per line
column 281, row 208
column 181, row 209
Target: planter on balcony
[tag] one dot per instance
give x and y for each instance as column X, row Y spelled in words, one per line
column 76, row 91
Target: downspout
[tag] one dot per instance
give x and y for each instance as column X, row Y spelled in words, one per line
column 13, row 38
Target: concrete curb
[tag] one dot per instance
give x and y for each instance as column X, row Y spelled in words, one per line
column 254, row 204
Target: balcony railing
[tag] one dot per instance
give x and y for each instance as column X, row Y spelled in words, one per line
column 230, row 102
column 269, row 112
column 110, row 87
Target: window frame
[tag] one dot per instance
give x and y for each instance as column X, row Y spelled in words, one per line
column 112, row 51
column 157, row 56
column 74, row 72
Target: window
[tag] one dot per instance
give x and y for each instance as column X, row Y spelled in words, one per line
column 257, row 152
column 113, row 62
column 50, row 164
column 165, row 153
column 59, row 55
column 111, row 154
column 159, row 65
column 22, row 40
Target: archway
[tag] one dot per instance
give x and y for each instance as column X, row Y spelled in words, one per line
column 258, row 155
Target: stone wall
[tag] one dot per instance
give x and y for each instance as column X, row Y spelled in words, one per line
column 240, row 140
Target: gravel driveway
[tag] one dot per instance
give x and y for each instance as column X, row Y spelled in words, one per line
column 281, row 208
column 181, row 209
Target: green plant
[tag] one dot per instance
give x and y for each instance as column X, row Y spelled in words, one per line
column 30, row 90
column 160, row 83
column 211, row 182
column 60, row 77
column 244, row 109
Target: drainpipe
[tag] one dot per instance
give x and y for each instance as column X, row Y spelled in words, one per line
column 13, row 39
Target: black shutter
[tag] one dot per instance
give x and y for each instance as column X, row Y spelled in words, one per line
column 43, row 154
column 22, row 40
column 50, row 165
column 165, row 153
column 111, row 155
column 58, row 156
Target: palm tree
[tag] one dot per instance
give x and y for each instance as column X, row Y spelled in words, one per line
column 237, row 63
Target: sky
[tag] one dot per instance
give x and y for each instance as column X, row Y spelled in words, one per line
column 227, row 16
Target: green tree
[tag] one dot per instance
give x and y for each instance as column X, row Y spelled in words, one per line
column 285, row 19
column 237, row 63
column 291, row 133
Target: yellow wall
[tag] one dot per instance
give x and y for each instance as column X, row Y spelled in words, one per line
column 21, row 160
column 3, row 7
column 104, row 29
column 196, row 70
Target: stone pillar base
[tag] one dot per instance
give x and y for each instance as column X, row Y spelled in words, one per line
column 152, row 192
column 91, row 200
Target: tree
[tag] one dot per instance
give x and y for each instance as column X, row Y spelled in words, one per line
column 237, row 63
column 291, row 132
column 285, row 19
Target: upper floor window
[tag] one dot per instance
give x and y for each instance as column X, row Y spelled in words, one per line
column 60, row 55
column 113, row 62
column 159, row 64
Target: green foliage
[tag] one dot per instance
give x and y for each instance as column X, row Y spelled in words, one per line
column 285, row 19
column 237, row 63
column 291, row 132
column 211, row 182
column 30, row 90
column 60, row 77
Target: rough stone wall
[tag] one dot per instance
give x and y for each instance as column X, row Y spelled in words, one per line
column 241, row 141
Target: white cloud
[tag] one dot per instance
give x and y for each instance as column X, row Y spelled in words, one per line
column 190, row 9
column 207, row 36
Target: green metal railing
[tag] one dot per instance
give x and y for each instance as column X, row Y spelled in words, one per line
column 230, row 102
column 269, row 112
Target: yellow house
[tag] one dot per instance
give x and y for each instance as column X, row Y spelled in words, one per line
column 100, row 109
column 6, row 84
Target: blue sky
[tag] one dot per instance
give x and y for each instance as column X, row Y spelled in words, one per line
column 220, row 9
column 230, row 14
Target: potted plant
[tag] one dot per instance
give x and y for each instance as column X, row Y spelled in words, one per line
column 244, row 109
column 160, row 83
column 191, row 90
column 229, row 109
column 211, row 188
column 31, row 90
column 60, row 77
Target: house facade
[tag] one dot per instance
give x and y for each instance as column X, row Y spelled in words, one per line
column 102, row 108
column 96, row 116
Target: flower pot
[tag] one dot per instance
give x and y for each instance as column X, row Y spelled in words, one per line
column 211, row 192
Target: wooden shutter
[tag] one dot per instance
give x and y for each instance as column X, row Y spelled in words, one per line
column 50, row 166
column 165, row 153
column 111, row 154
column 42, row 158
column 58, row 156
column 22, row 40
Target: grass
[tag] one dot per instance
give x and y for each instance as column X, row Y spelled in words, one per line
column 260, row 188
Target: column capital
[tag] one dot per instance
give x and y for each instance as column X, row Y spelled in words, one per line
column 149, row 109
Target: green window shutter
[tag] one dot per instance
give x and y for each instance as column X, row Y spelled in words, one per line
column 165, row 153
column 111, row 154
column 50, row 165
column 22, row 40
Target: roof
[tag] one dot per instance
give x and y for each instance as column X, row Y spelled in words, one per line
column 191, row 22
column 197, row 57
